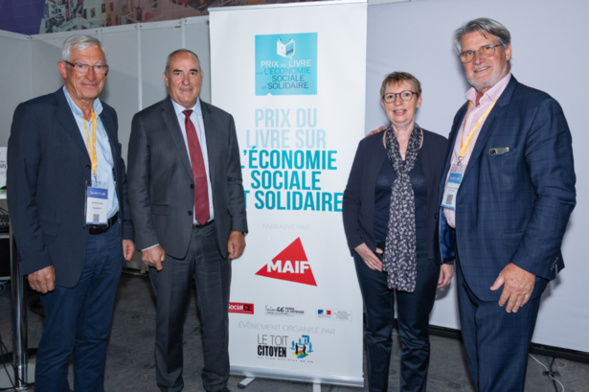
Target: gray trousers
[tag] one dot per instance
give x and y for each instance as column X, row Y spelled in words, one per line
column 172, row 287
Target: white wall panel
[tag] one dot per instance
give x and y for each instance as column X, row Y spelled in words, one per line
column 548, row 39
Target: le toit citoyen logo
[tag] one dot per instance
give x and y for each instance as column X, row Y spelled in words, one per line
column 286, row 64
column 276, row 347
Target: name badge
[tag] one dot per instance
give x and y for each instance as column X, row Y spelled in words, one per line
column 451, row 190
column 96, row 206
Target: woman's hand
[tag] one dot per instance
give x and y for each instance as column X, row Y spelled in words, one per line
column 369, row 257
column 446, row 273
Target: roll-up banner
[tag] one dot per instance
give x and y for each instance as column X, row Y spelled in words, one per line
column 293, row 76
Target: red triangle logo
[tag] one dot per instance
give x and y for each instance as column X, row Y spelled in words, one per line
column 291, row 265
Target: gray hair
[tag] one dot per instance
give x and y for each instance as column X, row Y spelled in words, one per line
column 399, row 77
column 484, row 26
column 79, row 42
column 180, row 51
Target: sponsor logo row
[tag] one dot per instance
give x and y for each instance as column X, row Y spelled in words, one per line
column 289, row 311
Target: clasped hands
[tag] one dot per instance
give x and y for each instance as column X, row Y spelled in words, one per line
column 374, row 263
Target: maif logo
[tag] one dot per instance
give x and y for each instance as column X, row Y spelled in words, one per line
column 291, row 264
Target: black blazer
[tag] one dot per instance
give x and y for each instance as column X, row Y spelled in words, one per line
column 358, row 201
column 48, row 169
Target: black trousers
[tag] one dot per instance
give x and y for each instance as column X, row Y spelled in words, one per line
column 413, row 311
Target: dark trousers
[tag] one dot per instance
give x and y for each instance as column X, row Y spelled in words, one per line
column 413, row 311
column 172, row 286
column 78, row 320
column 496, row 343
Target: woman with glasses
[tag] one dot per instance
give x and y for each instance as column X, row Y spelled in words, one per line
column 390, row 211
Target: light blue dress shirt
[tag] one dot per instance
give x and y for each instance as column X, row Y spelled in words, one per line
column 104, row 171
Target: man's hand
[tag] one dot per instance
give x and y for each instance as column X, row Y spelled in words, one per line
column 153, row 257
column 518, row 285
column 236, row 244
column 43, row 280
column 446, row 273
column 371, row 260
column 128, row 249
column 380, row 129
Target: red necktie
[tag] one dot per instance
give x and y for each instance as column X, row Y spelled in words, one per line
column 201, row 194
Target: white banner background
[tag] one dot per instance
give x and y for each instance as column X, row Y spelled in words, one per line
column 325, row 319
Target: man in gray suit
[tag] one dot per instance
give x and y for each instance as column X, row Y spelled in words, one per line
column 187, row 199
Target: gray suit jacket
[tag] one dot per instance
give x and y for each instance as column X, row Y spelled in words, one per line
column 161, row 186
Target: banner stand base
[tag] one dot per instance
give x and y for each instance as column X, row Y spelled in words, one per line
column 245, row 382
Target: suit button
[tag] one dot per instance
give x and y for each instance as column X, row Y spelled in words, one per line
column 87, row 166
column 191, row 186
column 190, row 213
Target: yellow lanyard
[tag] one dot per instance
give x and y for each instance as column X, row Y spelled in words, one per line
column 92, row 145
column 463, row 145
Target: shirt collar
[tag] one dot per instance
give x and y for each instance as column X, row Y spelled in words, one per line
column 97, row 105
column 180, row 109
column 492, row 94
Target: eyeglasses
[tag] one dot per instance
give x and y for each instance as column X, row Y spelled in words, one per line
column 486, row 51
column 82, row 68
column 404, row 95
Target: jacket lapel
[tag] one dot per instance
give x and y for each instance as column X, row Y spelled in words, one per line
column 451, row 143
column 212, row 144
column 110, row 127
column 173, row 128
column 488, row 126
column 65, row 118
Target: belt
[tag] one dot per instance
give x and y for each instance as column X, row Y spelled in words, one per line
column 199, row 226
column 99, row 229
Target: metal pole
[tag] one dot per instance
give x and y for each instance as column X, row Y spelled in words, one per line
column 19, row 322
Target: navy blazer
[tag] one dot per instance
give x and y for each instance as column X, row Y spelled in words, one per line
column 161, row 185
column 48, row 169
column 513, row 206
column 358, row 201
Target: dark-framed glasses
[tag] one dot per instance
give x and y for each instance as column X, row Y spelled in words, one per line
column 404, row 95
column 83, row 68
column 486, row 51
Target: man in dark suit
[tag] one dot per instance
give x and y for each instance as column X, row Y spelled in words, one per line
column 68, row 206
column 509, row 190
column 186, row 194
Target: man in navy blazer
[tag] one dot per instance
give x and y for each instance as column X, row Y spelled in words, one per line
column 67, row 198
column 179, row 147
column 509, row 190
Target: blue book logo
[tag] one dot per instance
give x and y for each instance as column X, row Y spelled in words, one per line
column 286, row 64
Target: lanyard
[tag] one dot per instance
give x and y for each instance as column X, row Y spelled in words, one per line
column 92, row 145
column 463, row 145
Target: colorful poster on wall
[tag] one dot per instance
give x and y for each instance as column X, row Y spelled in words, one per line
column 293, row 76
